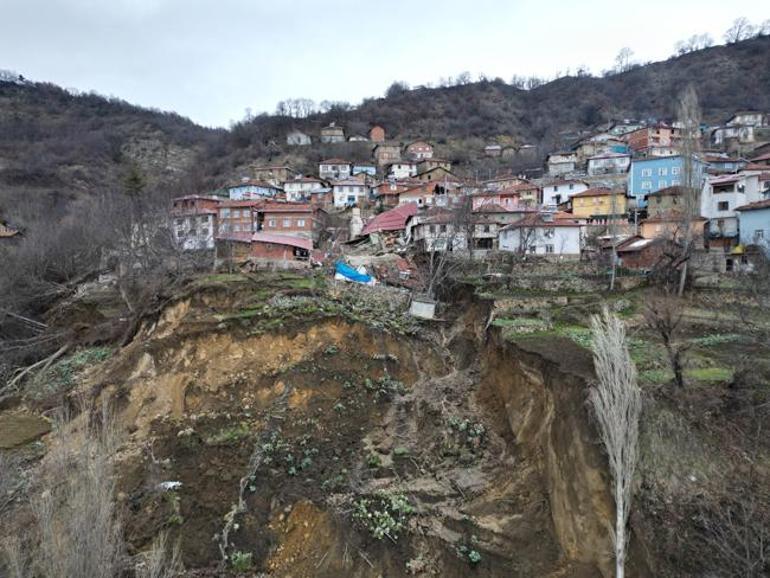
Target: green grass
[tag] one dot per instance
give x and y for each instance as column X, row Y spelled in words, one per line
column 62, row 375
column 228, row 435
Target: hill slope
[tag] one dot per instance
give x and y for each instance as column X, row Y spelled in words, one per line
column 56, row 146
column 461, row 119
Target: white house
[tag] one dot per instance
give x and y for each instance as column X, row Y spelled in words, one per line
column 334, row 169
column 742, row 134
column 364, row 169
column 561, row 163
column 195, row 221
column 349, row 192
column 721, row 195
column 249, row 190
column 301, row 188
column 541, row 235
column 402, row 170
column 609, row 164
column 298, row 138
column 557, row 192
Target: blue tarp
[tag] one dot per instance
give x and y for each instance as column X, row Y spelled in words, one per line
column 349, row 273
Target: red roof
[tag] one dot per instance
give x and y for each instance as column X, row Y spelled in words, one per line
column 393, row 220
column 764, row 157
column 300, row 242
column 241, row 203
column 334, row 162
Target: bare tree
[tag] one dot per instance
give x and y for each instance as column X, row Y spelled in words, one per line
column 623, row 59
column 689, row 118
column 664, row 314
column 616, row 401
column 159, row 561
column 741, row 29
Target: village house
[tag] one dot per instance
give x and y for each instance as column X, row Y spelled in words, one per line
column 334, row 169
column 648, row 175
column 237, row 219
column 401, row 170
column 303, row 188
column 386, row 193
column 358, row 138
column 524, row 194
column 502, row 183
column 493, row 150
column 298, row 138
column 754, row 224
column 749, row 118
column 273, row 175
column 600, row 206
column 608, row 164
column 251, row 189
column 652, row 136
column 440, row 230
column 419, row 150
column 386, row 154
column 364, row 168
column 280, row 250
column 425, row 165
column 504, row 215
column 659, row 151
column 561, row 163
column 619, row 128
column 391, row 222
column 722, row 163
column 541, row 234
column 665, row 201
column 294, row 219
column 718, row 201
column 642, row 254
column 195, row 221
column 349, row 192
column 332, row 134
column 599, row 145
column 670, row 226
column 557, row 192
column 437, row 174
column 377, row 134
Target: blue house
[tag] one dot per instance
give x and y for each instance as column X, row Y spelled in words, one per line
column 655, row 173
column 754, row 224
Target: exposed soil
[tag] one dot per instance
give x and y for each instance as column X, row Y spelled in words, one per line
column 19, row 429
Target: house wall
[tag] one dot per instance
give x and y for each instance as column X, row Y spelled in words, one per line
column 346, row 195
column 384, row 155
column 194, row 232
column 545, row 240
column 247, row 192
column 299, row 224
column 236, row 220
column 297, row 138
column 273, row 252
column 587, row 207
column 652, row 174
column 672, row 230
column 755, row 227
column 558, row 193
column 608, row 165
column 402, row 170
column 558, row 168
column 334, row 171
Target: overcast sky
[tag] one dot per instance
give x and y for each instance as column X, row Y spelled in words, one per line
column 210, row 60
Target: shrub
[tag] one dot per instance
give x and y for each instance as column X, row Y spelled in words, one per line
column 384, row 514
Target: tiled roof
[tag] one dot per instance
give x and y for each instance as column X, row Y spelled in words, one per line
column 289, row 208
column 755, row 206
column 538, row 221
column 672, row 191
column 334, row 162
column 393, row 220
column 300, row 242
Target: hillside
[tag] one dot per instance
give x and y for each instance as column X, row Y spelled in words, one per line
column 56, row 146
column 461, row 119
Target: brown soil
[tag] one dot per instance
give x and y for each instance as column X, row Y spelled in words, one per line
column 19, row 429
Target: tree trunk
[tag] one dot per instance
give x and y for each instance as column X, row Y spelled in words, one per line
column 620, row 531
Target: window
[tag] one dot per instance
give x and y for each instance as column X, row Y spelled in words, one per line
column 662, row 171
column 300, row 222
column 723, row 206
column 532, row 248
column 646, row 172
column 675, row 182
column 675, row 170
column 571, row 186
column 548, row 233
column 662, row 183
column 646, row 184
column 432, row 228
column 556, row 188
column 225, row 212
column 486, row 228
column 236, row 227
column 759, row 235
column 179, row 222
column 271, row 223
column 442, row 228
column 549, row 248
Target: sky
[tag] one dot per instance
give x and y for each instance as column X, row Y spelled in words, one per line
column 211, row 60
